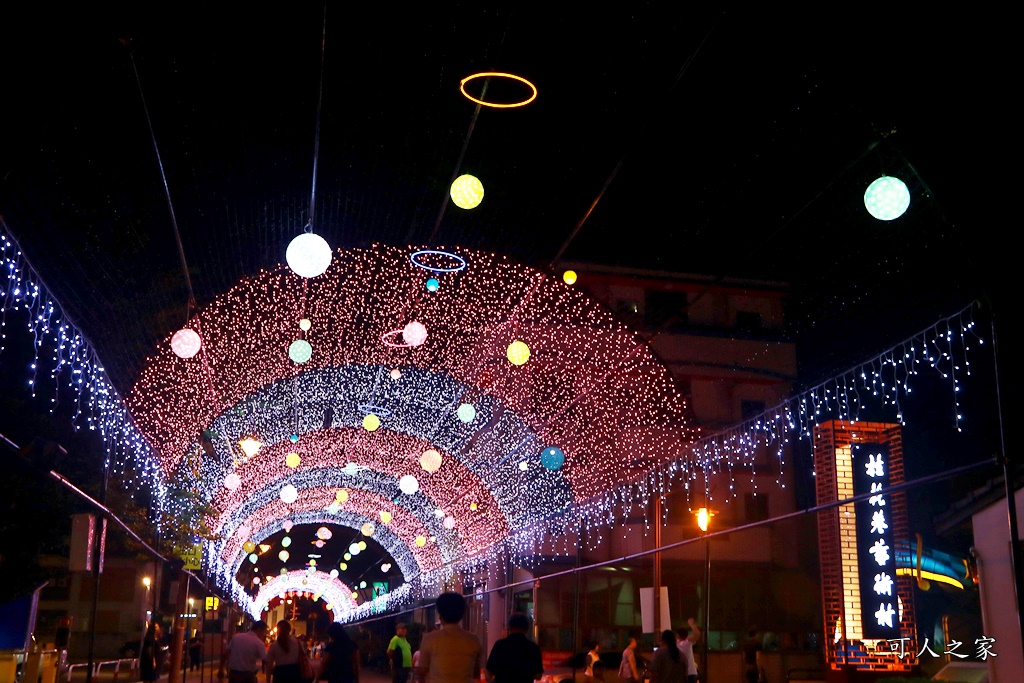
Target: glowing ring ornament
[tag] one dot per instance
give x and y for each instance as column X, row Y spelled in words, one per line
column 367, row 408
column 387, row 337
column 185, row 343
column 498, row 74
column 415, row 256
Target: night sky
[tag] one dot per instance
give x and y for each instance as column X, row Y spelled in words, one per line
column 746, row 139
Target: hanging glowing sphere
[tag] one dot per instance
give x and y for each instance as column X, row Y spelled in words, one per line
column 312, row 562
column 341, row 496
column 248, row 546
column 473, row 506
column 362, row 545
column 523, row 466
column 287, row 524
column 283, row 556
column 232, row 481
column 342, row 566
column 254, row 558
column 421, row 541
column 467, row 191
column 354, row 549
column 433, row 285
column 305, row 324
column 318, row 543
column 439, row 513
column 283, row 571
column 517, row 353
column 408, row 485
column 385, row 516
column 449, row 522
column 300, row 351
column 355, row 595
column 294, row 438
column 324, row 534
column 396, row 373
column 289, row 494
column 362, row 584
column 292, row 460
column 308, row 255
column 286, row 541
column 185, row 343
column 334, row 573
column 466, row 412
column 569, row 277
column 368, row 529
column 255, row 580
column 250, row 446
column 887, row 198
column 386, row 567
column 552, row 458
column 430, row 461
column 414, row 333
column 264, row 547
column 371, row 422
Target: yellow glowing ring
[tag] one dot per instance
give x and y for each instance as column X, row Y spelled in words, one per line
column 498, row 74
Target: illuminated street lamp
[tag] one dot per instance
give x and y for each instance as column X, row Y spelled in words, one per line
column 704, row 516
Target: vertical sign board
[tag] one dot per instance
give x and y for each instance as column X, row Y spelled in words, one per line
column 876, row 547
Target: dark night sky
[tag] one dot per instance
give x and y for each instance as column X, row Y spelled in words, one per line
column 747, row 139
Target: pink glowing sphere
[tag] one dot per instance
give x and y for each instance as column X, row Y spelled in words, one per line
column 185, row 343
column 415, row 333
column 232, row 481
column 287, row 524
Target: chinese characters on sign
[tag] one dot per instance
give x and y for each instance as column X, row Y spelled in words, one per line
column 875, row 544
column 983, row 648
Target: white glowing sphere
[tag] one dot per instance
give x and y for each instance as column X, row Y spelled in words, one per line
column 368, row 529
column 289, row 494
column 408, row 484
column 255, row 580
column 523, row 466
column 324, row 534
column 385, row 516
column 283, row 556
column 305, row 324
column 334, row 573
column 185, row 343
column 439, row 513
column 467, row 191
column 887, row 198
column 371, row 422
column 414, row 333
column 232, row 481
column 362, row 584
column 466, row 412
column 287, row 524
column 300, row 351
column 254, row 558
column 354, row 549
column 286, row 541
column 449, row 522
column 386, row 567
column 517, row 353
column 396, row 373
column 430, row 461
column 308, row 255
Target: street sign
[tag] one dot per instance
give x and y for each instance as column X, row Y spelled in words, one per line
column 192, row 556
column 212, row 604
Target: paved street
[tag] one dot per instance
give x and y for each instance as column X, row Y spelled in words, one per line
column 125, row 674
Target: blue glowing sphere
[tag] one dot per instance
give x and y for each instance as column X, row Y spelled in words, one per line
column 552, row 458
column 433, row 285
column 294, row 438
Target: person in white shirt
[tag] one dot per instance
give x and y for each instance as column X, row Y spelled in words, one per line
column 246, row 655
column 685, row 641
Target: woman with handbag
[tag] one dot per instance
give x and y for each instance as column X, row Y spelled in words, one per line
column 285, row 657
column 628, row 672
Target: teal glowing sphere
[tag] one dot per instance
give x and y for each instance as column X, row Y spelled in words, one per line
column 300, row 351
column 433, row 285
column 294, row 438
column 466, row 412
column 552, row 458
column 887, row 198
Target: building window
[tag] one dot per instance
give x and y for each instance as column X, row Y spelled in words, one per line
column 755, row 508
column 666, row 308
column 747, row 321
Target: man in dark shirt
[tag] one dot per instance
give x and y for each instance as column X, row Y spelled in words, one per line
column 515, row 659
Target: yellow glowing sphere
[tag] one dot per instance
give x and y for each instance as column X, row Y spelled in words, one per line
column 518, row 353
column 421, row 541
column 430, row 461
column 342, row 566
column 305, row 324
column 385, row 516
column 569, row 277
column 467, row 192
column 362, row 545
column 473, row 506
column 248, row 546
column 368, row 529
column 347, row 556
column 292, row 460
column 371, row 422
column 354, row 595
column 341, row 496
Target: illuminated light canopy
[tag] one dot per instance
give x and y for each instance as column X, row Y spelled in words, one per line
column 467, row 191
column 305, row 324
column 887, row 198
column 232, row 481
column 371, row 423
column 430, row 461
column 185, row 343
column 293, row 460
column 414, row 333
column 408, row 484
column 300, row 351
column 466, row 412
column 498, row 74
column 517, row 353
column 552, row 458
column 569, row 277
column 433, row 285
column 308, row 255
column 289, row 494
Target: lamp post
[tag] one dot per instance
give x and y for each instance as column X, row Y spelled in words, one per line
column 704, row 516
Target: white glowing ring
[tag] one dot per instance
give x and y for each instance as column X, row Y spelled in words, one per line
column 388, row 336
column 367, row 408
column 414, row 257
